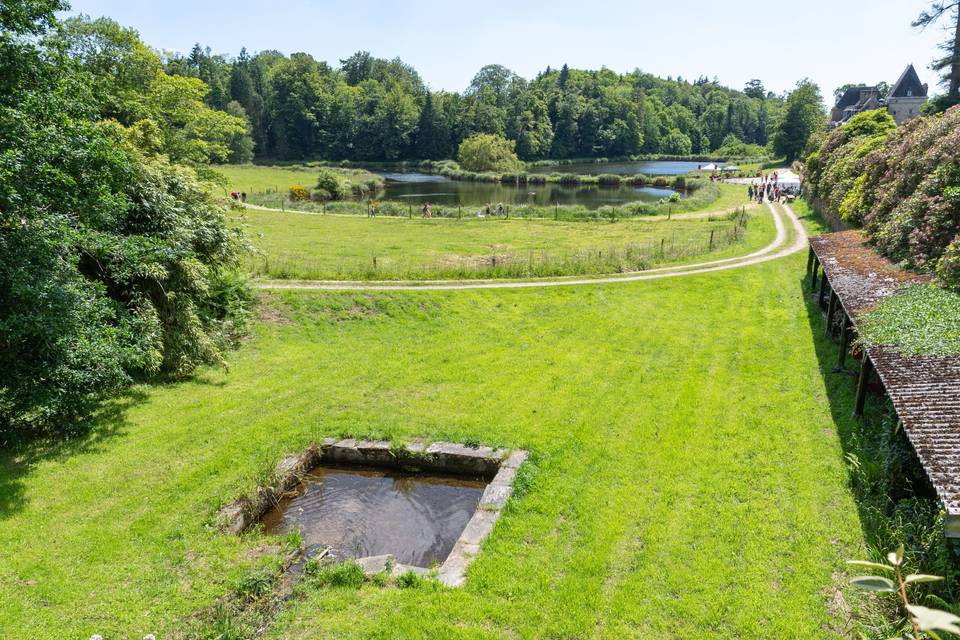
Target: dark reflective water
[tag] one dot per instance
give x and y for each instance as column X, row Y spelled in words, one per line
column 363, row 512
column 418, row 188
column 646, row 167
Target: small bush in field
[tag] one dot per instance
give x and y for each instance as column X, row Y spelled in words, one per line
column 299, row 193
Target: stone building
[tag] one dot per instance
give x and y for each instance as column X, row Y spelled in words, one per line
column 907, row 96
column 902, row 102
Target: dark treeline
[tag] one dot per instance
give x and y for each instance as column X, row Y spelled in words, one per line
column 371, row 109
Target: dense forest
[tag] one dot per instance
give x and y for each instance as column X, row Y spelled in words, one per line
column 371, row 109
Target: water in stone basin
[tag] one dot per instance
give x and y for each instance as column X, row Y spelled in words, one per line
column 361, row 512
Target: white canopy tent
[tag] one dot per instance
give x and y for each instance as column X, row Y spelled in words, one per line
column 788, row 179
column 709, row 167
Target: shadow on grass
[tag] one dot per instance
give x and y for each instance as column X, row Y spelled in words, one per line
column 865, row 439
column 106, row 423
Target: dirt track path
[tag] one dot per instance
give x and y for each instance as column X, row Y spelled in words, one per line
column 779, row 248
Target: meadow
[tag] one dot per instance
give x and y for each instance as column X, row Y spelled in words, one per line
column 687, row 477
column 293, row 245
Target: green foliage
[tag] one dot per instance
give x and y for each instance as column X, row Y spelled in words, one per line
column 836, row 168
column 136, row 91
column 372, row 109
column 344, row 574
column 486, row 152
column 919, row 319
column 108, row 257
column 922, row 622
column 298, row 193
column 902, row 185
column 803, row 115
column 332, row 186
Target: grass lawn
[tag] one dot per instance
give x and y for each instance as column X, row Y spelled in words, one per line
column 295, row 245
column 687, row 477
column 251, row 178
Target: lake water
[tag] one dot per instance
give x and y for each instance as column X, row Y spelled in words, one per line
column 418, row 188
column 646, row 167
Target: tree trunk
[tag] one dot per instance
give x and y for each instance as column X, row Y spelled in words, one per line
column 955, row 65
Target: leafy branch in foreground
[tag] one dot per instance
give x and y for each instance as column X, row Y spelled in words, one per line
column 924, row 622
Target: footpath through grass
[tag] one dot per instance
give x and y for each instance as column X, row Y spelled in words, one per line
column 688, row 481
column 303, row 246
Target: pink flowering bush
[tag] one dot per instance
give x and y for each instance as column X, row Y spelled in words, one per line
column 902, row 186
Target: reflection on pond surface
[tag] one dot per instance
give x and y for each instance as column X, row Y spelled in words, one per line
column 418, row 188
column 361, row 512
column 646, row 167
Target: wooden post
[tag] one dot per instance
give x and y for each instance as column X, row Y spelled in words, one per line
column 711, row 239
column 459, row 211
column 831, row 309
column 866, row 368
column 810, row 255
column 661, row 246
column 844, row 342
column 823, row 289
column 814, row 274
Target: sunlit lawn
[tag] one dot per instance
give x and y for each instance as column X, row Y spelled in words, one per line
column 297, row 245
column 688, row 478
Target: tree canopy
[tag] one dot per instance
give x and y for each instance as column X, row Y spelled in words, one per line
column 113, row 261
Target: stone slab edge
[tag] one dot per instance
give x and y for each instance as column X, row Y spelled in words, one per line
column 453, row 571
column 239, row 515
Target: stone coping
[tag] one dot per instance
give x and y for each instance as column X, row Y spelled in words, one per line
column 499, row 465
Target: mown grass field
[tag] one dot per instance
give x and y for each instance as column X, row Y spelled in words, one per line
column 306, row 246
column 251, row 179
column 687, row 478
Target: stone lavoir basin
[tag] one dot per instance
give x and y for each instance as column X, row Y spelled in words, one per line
column 357, row 512
column 393, row 508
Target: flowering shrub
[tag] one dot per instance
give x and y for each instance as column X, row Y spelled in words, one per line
column 299, row 193
column 902, row 186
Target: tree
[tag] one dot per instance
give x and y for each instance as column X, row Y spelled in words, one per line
column 110, row 261
column 949, row 64
column 677, row 144
column 754, row 89
column 803, row 115
column 485, row 152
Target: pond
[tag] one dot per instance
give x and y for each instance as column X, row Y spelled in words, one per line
column 418, row 188
column 646, row 167
column 362, row 511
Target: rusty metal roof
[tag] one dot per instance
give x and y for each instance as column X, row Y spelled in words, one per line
column 925, row 390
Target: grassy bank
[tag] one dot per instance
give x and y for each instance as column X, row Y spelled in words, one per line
column 678, row 490
column 301, row 246
column 258, row 179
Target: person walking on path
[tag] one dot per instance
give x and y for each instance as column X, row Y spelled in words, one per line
column 427, row 213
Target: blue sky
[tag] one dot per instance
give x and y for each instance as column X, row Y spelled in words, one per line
column 830, row 41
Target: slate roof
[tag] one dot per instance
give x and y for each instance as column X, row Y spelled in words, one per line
column 925, row 390
column 909, row 83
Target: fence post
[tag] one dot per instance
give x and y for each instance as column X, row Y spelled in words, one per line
column 661, row 246
column 711, row 239
column 374, row 263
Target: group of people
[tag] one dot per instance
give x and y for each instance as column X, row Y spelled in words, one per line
column 767, row 188
column 239, row 195
column 486, row 212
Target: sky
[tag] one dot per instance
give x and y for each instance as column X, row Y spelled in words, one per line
column 833, row 42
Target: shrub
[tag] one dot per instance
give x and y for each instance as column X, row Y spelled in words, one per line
column 333, row 185
column 902, row 185
column 299, row 193
column 609, row 180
